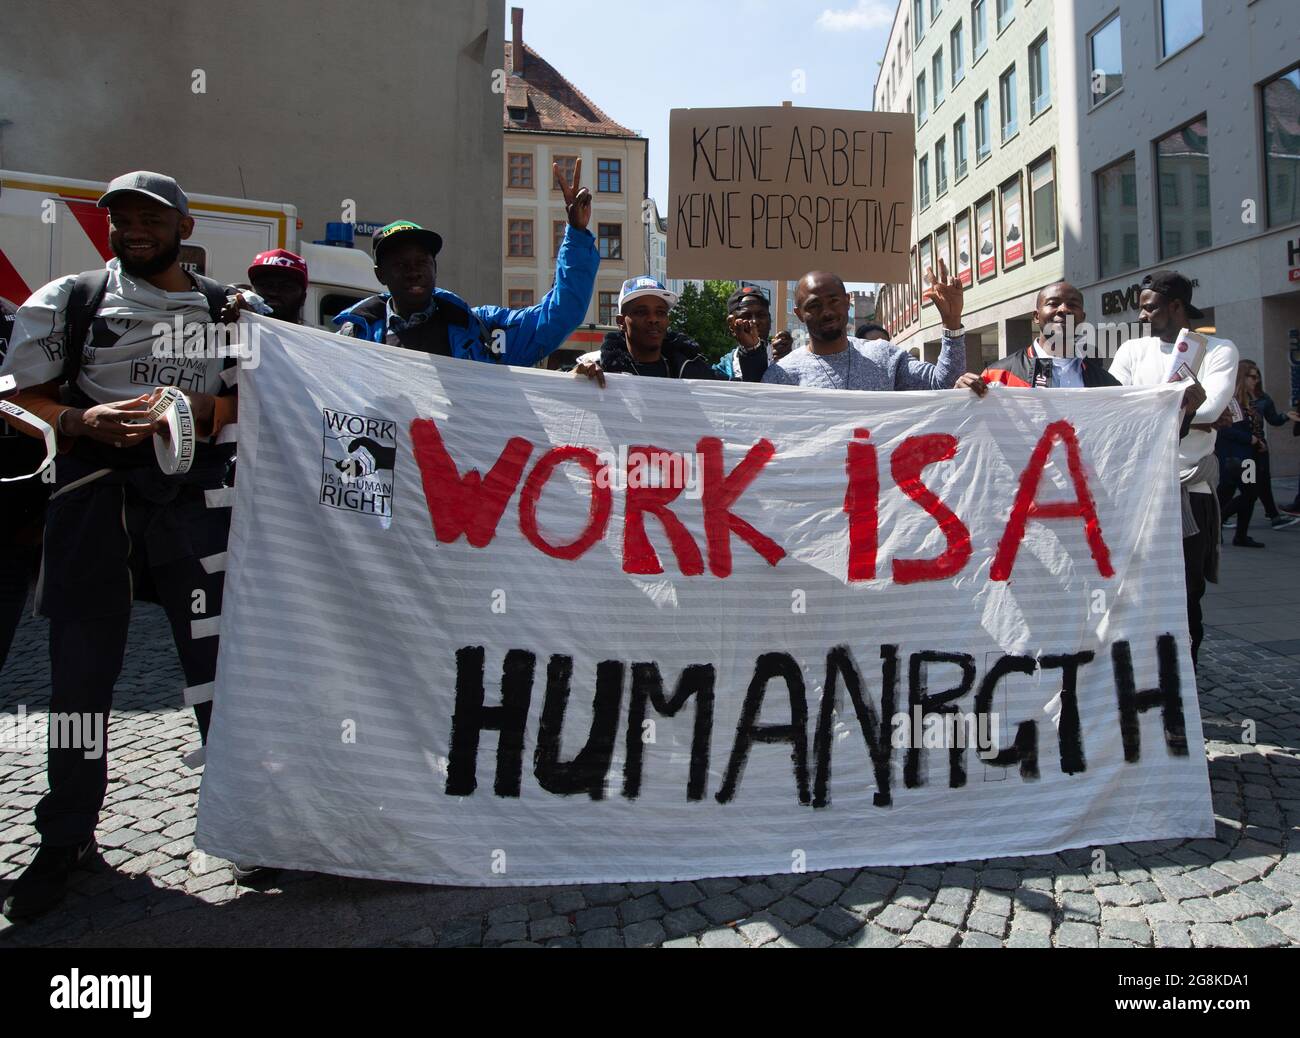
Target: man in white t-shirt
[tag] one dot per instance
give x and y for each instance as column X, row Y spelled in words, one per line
column 1166, row 305
column 89, row 355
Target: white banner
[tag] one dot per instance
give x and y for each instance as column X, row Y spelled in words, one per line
column 471, row 635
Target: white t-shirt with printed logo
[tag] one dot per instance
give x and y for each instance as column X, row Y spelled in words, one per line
column 120, row 359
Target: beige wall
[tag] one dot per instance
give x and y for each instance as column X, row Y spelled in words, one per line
column 308, row 102
column 544, row 205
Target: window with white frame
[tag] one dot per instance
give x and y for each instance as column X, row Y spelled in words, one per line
column 983, row 138
column 1042, row 204
column 979, row 29
column 1006, row 12
column 1105, row 60
column 1180, row 24
column 1040, row 86
column 1007, row 99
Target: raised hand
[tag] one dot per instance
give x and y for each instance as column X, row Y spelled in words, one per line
column 744, row 330
column 577, row 200
column 947, row 294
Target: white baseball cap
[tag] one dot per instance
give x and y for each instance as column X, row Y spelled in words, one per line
column 635, row 288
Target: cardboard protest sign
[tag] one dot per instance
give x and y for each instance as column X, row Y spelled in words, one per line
column 490, row 625
column 772, row 193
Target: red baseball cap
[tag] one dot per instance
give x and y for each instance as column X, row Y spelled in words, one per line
column 281, row 258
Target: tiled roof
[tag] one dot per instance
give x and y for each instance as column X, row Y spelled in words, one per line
column 550, row 102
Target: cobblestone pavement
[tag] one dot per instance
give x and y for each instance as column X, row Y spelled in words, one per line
column 1241, row 889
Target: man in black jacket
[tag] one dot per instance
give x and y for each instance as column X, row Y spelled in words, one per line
column 1051, row 360
column 643, row 345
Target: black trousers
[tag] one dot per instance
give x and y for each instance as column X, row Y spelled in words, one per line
column 163, row 549
column 17, row 562
column 1265, row 484
column 1238, row 496
column 1196, row 554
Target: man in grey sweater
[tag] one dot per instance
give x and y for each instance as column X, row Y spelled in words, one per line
column 833, row 360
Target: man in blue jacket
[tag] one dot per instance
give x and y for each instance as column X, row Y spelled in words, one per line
column 417, row 315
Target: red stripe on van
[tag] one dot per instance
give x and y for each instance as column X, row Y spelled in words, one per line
column 94, row 221
column 12, row 285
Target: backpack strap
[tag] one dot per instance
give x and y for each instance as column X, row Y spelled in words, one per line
column 454, row 312
column 372, row 308
column 83, row 302
column 216, row 294
column 486, row 340
column 460, row 315
column 367, row 315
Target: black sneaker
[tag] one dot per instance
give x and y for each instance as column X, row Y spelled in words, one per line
column 1247, row 542
column 45, row 881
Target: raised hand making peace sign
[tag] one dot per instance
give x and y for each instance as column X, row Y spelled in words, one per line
column 577, row 200
column 947, row 294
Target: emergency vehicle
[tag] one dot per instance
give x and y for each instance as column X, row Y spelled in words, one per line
column 50, row 226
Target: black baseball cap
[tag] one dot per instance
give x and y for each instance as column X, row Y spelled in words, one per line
column 406, row 230
column 1172, row 285
column 737, row 298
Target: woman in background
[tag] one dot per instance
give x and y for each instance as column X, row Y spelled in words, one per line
column 1238, row 449
column 1265, row 411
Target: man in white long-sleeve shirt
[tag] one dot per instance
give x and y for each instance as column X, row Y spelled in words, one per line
column 1166, row 304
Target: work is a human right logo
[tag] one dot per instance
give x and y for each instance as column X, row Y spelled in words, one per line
column 357, row 462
